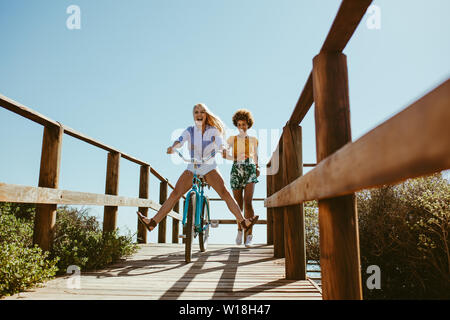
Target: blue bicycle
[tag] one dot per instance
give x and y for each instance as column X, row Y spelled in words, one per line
column 196, row 214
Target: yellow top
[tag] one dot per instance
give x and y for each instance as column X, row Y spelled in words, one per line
column 243, row 147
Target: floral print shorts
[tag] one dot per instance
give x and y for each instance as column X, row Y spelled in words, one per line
column 242, row 173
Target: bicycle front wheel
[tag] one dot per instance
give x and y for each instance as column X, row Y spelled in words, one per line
column 189, row 227
column 204, row 219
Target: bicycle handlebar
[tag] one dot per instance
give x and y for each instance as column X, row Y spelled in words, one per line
column 195, row 161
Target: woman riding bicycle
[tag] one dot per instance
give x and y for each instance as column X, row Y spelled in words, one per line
column 204, row 138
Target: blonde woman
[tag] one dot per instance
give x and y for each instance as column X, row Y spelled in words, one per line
column 203, row 138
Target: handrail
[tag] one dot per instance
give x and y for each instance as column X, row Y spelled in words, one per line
column 39, row 195
column 35, row 116
column 361, row 165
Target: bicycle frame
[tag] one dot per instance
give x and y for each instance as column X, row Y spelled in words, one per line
column 198, row 189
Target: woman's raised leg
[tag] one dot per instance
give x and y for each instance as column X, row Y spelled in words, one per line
column 183, row 184
column 215, row 180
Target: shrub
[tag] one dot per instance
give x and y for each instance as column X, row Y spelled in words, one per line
column 404, row 230
column 79, row 241
column 21, row 265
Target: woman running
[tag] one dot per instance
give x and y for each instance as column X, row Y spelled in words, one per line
column 203, row 139
column 245, row 170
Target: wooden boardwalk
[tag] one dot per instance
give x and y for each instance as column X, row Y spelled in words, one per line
column 158, row 271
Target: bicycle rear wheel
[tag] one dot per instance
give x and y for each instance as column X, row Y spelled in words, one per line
column 189, row 227
column 204, row 219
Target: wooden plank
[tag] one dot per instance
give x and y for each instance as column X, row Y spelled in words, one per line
column 345, row 23
column 26, row 112
column 294, row 224
column 220, row 199
column 38, row 195
column 269, row 229
column 223, row 272
column 45, row 219
column 278, row 213
column 233, row 221
column 144, row 181
column 338, row 219
column 414, row 142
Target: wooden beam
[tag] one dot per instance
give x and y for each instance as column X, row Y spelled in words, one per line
column 414, row 142
column 269, row 190
column 345, row 23
column 112, row 188
column 35, row 116
column 304, row 103
column 39, row 195
column 44, row 222
column 233, row 221
column 144, row 182
column 338, row 219
column 278, row 213
column 26, row 112
column 294, row 221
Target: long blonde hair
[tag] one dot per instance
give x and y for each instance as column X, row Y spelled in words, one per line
column 211, row 118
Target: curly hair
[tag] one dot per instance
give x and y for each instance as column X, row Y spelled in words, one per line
column 243, row 114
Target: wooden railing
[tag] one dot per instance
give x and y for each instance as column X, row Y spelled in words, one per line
column 47, row 195
column 414, row 142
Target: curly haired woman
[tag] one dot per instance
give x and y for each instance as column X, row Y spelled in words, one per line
column 245, row 170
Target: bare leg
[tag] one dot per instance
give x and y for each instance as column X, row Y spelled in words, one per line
column 248, row 198
column 237, row 194
column 183, row 184
column 215, row 180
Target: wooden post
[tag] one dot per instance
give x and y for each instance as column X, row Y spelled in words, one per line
column 143, row 193
column 176, row 223
column 112, row 188
column 278, row 213
column 162, row 224
column 269, row 210
column 44, row 222
column 294, row 222
column 338, row 220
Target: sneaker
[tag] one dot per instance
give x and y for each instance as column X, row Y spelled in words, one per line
column 248, row 241
column 239, row 237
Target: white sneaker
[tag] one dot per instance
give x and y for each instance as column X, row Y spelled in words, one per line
column 239, row 237
column 248, row 241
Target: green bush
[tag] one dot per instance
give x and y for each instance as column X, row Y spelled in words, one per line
column 78, row 241
column 404, row 229
column 21, row 265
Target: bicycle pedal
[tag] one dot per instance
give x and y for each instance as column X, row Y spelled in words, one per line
column 182, row 236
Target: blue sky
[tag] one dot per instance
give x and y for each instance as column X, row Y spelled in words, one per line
column 131, row 75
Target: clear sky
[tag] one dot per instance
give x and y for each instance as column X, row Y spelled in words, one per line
column 131, row 75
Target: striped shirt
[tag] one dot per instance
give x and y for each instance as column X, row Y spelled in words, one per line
column 202, row 145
